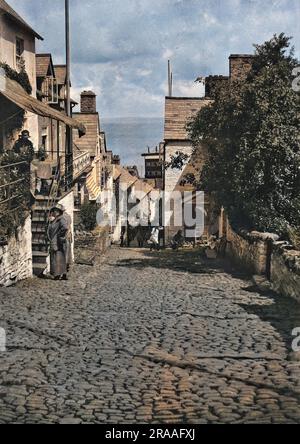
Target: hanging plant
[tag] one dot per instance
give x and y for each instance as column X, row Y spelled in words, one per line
column 21, row 77
column 18, row 76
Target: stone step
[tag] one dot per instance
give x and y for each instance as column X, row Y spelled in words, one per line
column 38, row 269
column 38, row 218
column 39, row 227
column 40, row 209
column 39, row 257
column 38, row 245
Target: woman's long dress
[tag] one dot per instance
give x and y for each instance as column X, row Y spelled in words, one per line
column 57, row 232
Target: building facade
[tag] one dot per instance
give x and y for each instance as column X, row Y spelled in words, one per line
column 17, row 49
column 178, row 112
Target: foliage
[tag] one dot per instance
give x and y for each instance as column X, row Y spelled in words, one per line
column 14, row 213
column 251, row 131
column 294, row 237
column 178, row 161
column 88, row 214
column 18, row 76
column 22, row 78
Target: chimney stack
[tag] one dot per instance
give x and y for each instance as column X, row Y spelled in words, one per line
column 88, row 102
column 240, row 65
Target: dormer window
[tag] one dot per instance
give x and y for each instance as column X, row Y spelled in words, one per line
column 19, row 53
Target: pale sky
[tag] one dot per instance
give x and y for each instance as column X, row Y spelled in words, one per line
column 120, row 48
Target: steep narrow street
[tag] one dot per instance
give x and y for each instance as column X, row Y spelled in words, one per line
column 142, row 337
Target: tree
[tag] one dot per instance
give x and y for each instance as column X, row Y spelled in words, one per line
column 251, row 131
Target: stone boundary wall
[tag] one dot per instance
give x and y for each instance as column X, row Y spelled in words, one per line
column 285, row 271
column 262, row 254
column 249, row 250
column 16, row 257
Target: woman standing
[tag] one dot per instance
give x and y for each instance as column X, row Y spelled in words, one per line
column 57, row 232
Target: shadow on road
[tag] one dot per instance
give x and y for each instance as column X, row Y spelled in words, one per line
column 281, row 312
column 187, row 261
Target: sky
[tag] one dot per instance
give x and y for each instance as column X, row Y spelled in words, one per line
column 120, row 48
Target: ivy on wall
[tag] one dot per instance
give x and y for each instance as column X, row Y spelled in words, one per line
column 14, row 213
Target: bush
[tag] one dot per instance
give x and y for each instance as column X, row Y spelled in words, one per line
column 251, row 131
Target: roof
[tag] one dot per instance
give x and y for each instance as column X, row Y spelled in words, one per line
column 142, row 187
column 126, row 179
column 157, row 154
column 116, row 172
column 60, row 74
column 43, row 62
column 12, row 91
column 17, row 18
column 241, row 56
column 90, row 141
column 93, row 189
column 178, row 112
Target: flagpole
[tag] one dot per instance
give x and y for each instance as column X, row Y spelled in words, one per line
column 69, row 138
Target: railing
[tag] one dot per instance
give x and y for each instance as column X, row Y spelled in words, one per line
column 14, row 184
column 81, row 161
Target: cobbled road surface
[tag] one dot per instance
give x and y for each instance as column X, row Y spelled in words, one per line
column 148, row 338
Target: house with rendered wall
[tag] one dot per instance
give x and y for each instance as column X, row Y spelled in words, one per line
column 178, row 112
column 17, row 49
column 26, row 251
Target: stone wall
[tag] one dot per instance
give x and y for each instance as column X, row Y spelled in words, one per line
column 285, row 271
column 250, row 250
column 262, row 254
column 16, row 257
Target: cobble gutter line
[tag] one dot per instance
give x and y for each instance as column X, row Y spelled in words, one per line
column 283, row 391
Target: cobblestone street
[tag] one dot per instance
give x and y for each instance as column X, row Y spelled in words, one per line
column 155, row 338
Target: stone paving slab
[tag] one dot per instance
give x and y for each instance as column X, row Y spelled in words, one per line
column 148, row 338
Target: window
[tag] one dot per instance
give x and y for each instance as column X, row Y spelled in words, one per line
column 19, row 52
column 44, row 142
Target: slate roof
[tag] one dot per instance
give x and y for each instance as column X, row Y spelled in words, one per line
column 90, row 141
column 4, row 6
column 43, row 62
column 60, row 74
column 178, row 111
